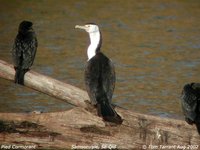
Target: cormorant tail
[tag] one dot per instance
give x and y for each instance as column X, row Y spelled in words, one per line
column 19, row 75
column 108, row 113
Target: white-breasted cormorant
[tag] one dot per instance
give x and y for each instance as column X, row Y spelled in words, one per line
column 24, row 50
column 190, row 102
column 99, row 76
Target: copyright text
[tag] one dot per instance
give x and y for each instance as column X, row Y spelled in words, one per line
column 171, row 147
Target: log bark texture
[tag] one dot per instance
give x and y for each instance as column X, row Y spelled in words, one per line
column 80, row 128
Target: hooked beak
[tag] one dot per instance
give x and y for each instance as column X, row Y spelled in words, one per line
column 195, row 85
column 31, row 30
column 80, row 27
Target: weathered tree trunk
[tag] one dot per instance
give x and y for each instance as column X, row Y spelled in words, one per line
column 47, row 85
column 80, row 128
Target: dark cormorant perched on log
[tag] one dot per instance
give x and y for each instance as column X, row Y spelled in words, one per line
column 99, row 76
column 24, row 50
column 191, row 104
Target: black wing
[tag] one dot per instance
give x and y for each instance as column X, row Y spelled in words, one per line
column 17, row 52
column 109, row 79
column 92, row 71
column 24, row 51
column 189, row 102
column 29, row 52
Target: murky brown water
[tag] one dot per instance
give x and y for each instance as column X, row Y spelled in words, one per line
column 155, row 47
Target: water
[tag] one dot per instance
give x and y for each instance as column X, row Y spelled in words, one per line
column 155, row 47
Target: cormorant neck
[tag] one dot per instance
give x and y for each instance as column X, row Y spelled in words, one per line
column 95, row 44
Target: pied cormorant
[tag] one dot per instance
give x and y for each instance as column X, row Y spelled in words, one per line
column 24, row 50
column 99, row 76
column 190, row 102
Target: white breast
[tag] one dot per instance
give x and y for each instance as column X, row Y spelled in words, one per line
column 94, row 42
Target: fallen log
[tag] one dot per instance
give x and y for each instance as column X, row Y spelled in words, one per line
column 82, row 129
column 47, row 85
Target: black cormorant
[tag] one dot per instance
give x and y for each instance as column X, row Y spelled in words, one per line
column 24, row 50
column 190, row 102
column 99, row 76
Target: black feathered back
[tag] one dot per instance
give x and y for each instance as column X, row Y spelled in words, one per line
column 191, row 104
column 100, row 77
column 100, row 84
column 24, row 50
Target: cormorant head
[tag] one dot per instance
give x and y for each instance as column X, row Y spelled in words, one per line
column 195, row 86
column 95, row 38
column 89, row 27
column 25, row 26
